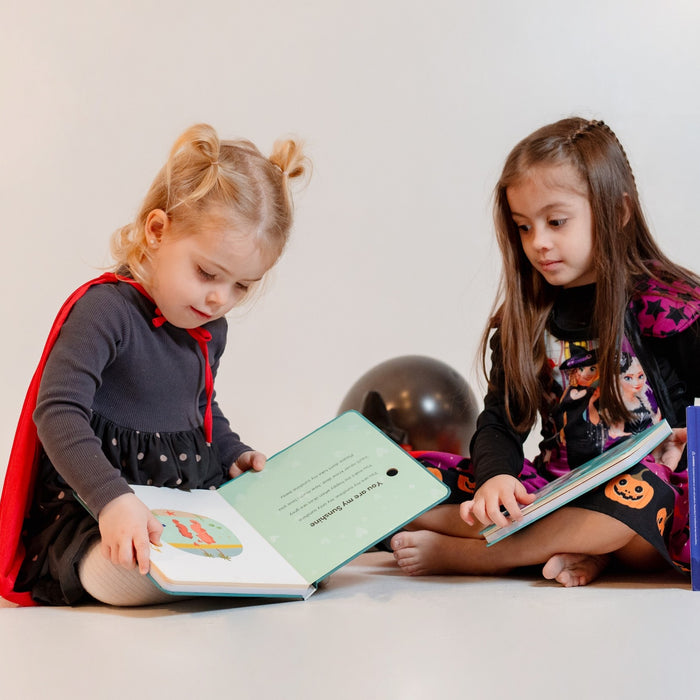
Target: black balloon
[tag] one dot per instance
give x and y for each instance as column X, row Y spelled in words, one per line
column 419, row 401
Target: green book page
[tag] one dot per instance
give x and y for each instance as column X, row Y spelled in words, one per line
column 333, row 494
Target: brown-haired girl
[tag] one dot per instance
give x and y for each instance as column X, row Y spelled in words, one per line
column 582, row 276
column 125, row 392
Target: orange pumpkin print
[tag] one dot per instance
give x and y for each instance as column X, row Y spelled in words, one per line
column 466, row 483
column 661, row 520
column 435, row 472
column 630, row 490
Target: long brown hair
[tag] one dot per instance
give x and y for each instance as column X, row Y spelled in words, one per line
column 624, row 254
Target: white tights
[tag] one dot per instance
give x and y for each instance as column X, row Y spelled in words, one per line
column 115, row 585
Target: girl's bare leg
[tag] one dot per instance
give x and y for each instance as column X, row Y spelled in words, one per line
column 445, row 519
column 573, row 531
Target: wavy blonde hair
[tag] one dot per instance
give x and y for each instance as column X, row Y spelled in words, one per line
column 203, row 172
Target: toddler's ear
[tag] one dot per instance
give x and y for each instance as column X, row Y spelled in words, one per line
column 157, row 224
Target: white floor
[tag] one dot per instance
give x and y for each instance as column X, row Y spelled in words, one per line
column 371, row 633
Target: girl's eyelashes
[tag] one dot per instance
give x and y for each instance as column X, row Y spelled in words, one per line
column 204, row 274
column 552, row 223
column 210, row 277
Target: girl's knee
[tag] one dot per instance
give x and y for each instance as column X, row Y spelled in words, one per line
column 115, row 585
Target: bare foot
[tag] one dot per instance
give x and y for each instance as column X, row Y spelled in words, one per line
column 418, row 552
column 575, row 569
column 423, row 552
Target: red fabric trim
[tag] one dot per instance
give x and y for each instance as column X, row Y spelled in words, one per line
column 202, row 337
column 18, row 487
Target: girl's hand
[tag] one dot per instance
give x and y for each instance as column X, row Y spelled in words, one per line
column 127, row 528
column 502, row 490
column 670, row 451
column 248, row 460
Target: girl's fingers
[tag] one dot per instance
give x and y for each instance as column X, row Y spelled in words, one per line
column 142, row 550
column 511, row 505
column 465, row 512
column 496, row 514
column 125, row 555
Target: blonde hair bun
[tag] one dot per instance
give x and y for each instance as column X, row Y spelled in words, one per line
column 288, row 156
column 203, row 171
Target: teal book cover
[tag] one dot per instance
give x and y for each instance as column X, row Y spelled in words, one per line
column 582, row 479
column 315, row 506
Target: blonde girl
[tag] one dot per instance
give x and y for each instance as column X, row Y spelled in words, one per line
column 125, row 391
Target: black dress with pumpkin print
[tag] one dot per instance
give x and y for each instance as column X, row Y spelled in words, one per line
column 659, row 377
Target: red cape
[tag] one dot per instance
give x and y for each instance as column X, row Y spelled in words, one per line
column 18, row 489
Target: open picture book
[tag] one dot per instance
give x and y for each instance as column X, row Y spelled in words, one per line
column 584, row 478
column 315, row 506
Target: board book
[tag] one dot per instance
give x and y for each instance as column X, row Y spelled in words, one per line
column 693, row 453
column 315, row 506
column 584, row 478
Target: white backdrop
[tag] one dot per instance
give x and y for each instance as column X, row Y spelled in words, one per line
column 408, row 110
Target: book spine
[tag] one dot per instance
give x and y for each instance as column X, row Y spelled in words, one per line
column 693, row 424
